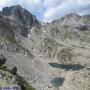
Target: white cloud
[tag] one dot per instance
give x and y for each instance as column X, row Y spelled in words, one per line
column 2, row 3
column 34, row 5
column 52, row 3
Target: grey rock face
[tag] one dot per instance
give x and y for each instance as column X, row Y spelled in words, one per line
column 21, row 16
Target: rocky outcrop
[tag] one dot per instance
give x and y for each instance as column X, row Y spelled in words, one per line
column 20, row 14
column 22, row 17
column 2, row 59
column 12, row 69
column 9, row 79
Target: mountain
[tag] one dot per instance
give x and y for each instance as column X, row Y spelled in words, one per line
column 21, row 16
column 48, row 56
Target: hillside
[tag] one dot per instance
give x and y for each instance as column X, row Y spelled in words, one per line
column 53, row 56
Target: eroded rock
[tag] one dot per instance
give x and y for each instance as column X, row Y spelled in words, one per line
column 2, row 59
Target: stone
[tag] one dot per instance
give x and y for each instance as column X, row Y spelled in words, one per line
column 2, row 59
column 13, row 69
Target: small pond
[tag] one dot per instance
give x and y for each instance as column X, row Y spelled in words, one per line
column 57, row 81
column 66, row 67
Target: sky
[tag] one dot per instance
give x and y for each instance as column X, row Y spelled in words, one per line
column 49, row 10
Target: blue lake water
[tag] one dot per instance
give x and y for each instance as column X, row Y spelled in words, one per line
column 57, row 81
column 66, row 67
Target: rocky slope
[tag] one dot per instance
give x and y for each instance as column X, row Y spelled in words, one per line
column 9, row 79
column 54, row 56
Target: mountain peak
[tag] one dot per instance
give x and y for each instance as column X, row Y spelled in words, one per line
column 72, row 15
column 19, row 6
column 8, row 11
column 21, row 15
column 68, row 17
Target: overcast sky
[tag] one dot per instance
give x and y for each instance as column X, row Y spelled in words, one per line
column 48, row 10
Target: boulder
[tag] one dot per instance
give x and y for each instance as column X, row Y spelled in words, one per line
column 2, row 59
column 13, row 69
